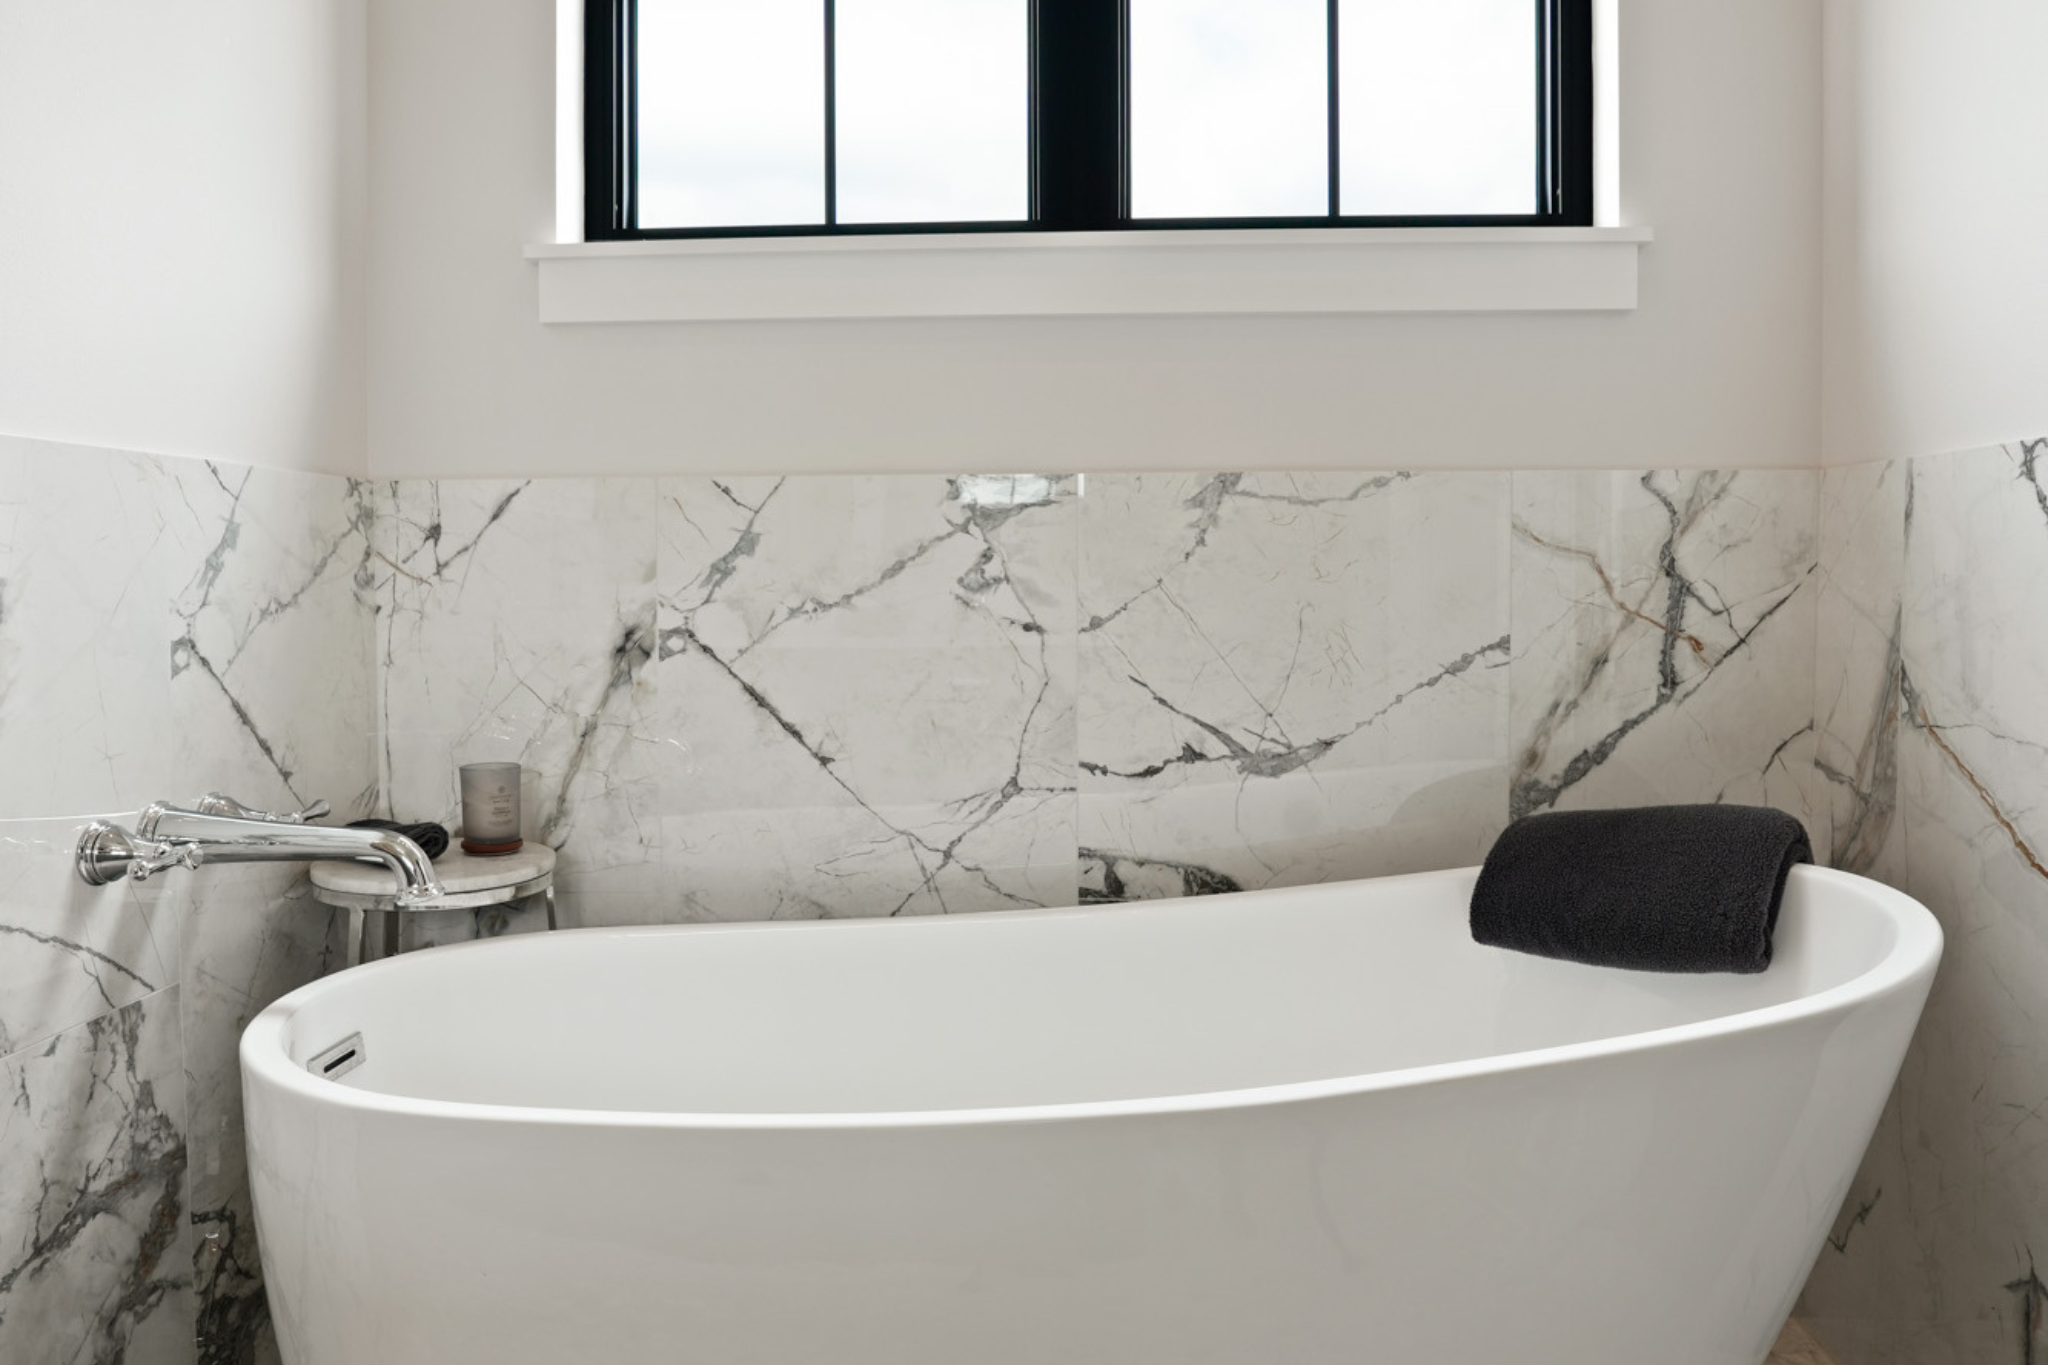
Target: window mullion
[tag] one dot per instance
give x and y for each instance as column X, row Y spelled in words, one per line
column 629, row 94
column 1077, row 115
column 1549, row 190
column 1573, row 39
column 831, row 113
column 1336, row 197
column 607, row 119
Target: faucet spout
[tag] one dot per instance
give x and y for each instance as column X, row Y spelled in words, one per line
column 172, row 836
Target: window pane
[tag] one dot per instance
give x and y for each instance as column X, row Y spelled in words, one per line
column 732, row 113
column 1229, row 108
column 1437, row 106
column 934, row 109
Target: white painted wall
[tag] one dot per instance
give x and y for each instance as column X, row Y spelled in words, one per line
column 1720, row 366
column 1937, row 226
column 181, row 237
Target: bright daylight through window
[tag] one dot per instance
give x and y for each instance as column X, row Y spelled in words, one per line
column 738, row 117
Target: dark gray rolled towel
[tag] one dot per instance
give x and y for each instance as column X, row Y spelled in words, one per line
column 1658, row 889
column 432, row 839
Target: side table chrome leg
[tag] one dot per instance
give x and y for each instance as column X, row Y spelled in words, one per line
column 550, row 895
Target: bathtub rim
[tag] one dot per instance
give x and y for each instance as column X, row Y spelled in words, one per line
column 1914, row 955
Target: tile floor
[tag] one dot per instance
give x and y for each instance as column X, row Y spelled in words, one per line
column 1796, row 1346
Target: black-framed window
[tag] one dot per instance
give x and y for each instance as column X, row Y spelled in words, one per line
column 802, row 117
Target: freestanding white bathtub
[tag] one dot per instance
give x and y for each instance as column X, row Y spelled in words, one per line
column 1288, row 1128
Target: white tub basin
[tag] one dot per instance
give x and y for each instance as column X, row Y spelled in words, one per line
column 1288, row 1128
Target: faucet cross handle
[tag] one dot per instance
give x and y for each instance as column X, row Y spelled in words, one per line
column 213, row 803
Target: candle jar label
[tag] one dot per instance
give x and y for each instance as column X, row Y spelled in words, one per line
column 490, row 803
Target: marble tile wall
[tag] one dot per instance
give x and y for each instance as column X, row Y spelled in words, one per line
column 1933, row 652
column 1664, row 640
column 864, row 697
column 805, row 697
column 166, row 626
column 1274, row 692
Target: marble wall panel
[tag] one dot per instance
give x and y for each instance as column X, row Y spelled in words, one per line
column 884, row 695
column 70, row 953
column 516, row 623
column 272, row 668
column 167, row 627
column 1859, row 669
column 270, row 587
column 866, row 695
column 1936, row 759
column 1289, row 678
column 816, row 696
column 85, row 713
column 95, row 1263
column 253, row 933
column 1664, row 639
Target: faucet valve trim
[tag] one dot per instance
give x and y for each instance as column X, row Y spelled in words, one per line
column 220, row 829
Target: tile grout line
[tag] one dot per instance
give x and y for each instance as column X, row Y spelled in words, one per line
column 43, row 1041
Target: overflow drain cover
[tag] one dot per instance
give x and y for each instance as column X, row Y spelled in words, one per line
column 337, row 1061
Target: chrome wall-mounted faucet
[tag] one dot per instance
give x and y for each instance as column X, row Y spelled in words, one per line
column 220, row 829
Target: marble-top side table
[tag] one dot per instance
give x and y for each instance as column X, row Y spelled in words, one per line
column 369, row 892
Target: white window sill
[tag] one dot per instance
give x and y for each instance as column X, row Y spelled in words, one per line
column 1317, row 270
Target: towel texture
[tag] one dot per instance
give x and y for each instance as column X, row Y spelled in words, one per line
column 1659, row 889
column 432, row 839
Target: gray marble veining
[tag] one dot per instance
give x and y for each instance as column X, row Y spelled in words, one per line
column 865, row 695
column 252, row 933
column 811, row 696
column 70, row 953
column 1275, row 690
column 270, row 653
column 1664, row 639
column 807, row 696
column 166, row 626
column 270, row 579
column 94, row 1263
column 517, row 623
column 1935, row 657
